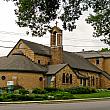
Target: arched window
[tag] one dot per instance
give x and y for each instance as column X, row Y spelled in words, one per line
column 70, row 78
column 67, row 78
column 55, row 38
column 93, row 81
column 89, row 81
column 97, row 82
column 63, row 78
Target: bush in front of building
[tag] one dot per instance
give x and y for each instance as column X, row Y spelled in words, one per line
column 52, row 89
column 21, row 97
column 23, row 91
column 16, row 87
column 38, row 91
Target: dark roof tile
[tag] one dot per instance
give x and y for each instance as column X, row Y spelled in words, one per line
column 74, row 60
column 53, row 69
column 78, row 62
column 19, row 63
column 38, row 48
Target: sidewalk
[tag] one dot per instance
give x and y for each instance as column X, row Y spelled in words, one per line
column 57, row 101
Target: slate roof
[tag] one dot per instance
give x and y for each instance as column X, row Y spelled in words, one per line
column 19, row 63
column 94, row 54
column 106, row 74
column 38, row 48
column 80, row 75
column 53, row 69
column 74, row 60
column 78, row 62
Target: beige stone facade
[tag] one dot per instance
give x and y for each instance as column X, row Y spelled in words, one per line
column 95, row 60
column 26, row 80
column 58, row 83
column 56, row 46
column 21, row 47
column 41, row 59
column 65, row 77
column 93, row 79
column 103, row 63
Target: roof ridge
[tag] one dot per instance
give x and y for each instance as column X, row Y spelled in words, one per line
column 33, row 42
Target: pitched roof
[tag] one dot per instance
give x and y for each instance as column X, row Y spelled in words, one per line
column 94, row 54
column 78, row 62
column 19, row 63
column 107, row 75
column 74, row 60
column 53, row 69
column 38, row 48
column 80, row 75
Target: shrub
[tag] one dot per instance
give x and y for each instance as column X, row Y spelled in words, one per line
column 38, row 91
column 40, row 97
column 16, row 87
column 21, row 97
column 50, row 89
column 23, row 91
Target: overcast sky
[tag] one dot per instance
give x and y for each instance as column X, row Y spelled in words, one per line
column 79, row 39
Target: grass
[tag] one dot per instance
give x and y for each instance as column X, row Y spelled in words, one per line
column 66, row 95
column 55, row 95
column 93, row 95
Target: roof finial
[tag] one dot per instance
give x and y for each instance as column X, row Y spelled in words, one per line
column 56, row 23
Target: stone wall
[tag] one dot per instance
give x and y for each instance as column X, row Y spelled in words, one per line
column 104, row 82
column 26, row 80
column 107, row 65
column 90, row 77
column 57, row 55
column 58, row 78
column 44, row 60
column 24, row 49
column 101, row 62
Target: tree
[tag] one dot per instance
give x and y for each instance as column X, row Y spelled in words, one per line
column 37, row 14
column 105, row 50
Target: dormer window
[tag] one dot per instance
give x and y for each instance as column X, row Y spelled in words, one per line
column 97, row 61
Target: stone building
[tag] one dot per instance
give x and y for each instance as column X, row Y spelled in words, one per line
column 32, row 65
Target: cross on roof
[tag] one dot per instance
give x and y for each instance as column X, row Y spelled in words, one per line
column 56, row 23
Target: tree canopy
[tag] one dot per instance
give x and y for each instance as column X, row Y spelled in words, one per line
column 37, row 15
column 105, row 50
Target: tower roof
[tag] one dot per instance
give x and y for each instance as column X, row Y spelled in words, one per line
column 55, row 29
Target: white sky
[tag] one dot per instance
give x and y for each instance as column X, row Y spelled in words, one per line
column 80, row 38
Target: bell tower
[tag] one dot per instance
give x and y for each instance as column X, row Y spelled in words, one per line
column 56, row 45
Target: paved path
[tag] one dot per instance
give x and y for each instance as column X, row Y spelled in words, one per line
column 98, row 105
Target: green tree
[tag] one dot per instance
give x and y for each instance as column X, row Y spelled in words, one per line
column 37, row 14
column 105, row 50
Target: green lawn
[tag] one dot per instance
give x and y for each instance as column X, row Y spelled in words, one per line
column 67, row 95
column 53, row 94
column 93, row 95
